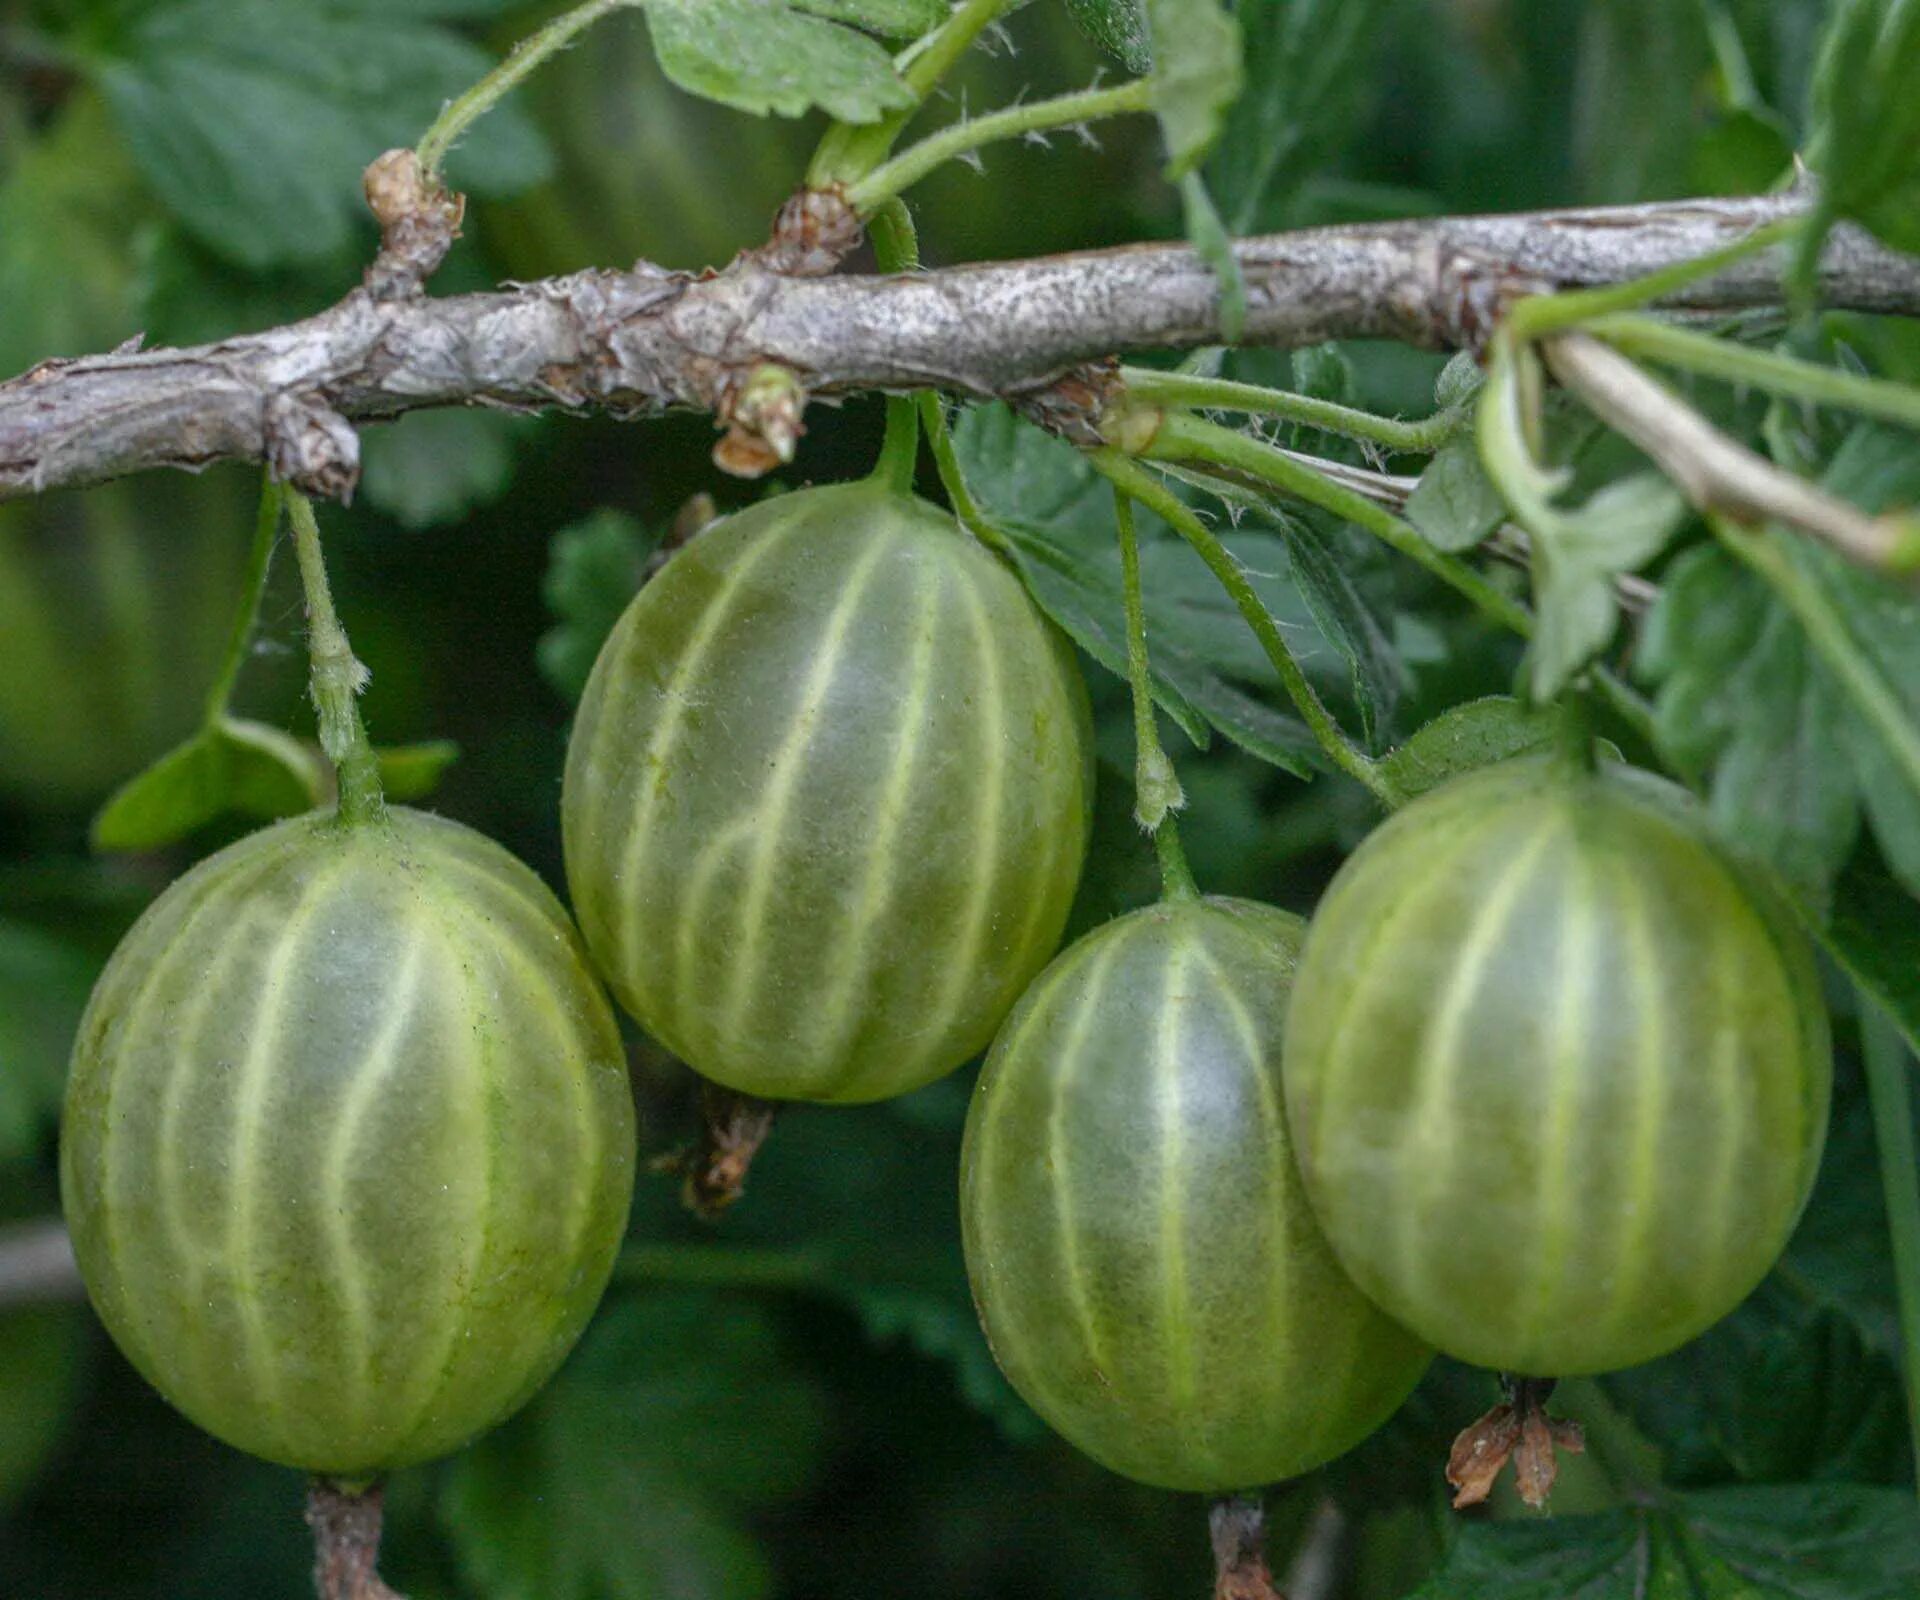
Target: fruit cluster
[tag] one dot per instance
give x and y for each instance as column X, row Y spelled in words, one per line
column 349, row 1147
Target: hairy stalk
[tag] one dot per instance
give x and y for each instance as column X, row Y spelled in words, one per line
column 1540, row 315
column 1890, row 1087
column 337, row 677
column 896, row 247
column 1156, row 786
column 933, row 417
column 266, row 529
column 916, row 161
column 1127, row 474
column 1423, row 436
column 462, row 112
column 1182, row 437
column 1671, row 345
column 849, row 151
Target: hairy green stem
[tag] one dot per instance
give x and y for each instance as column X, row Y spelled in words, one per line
column 1126, row 473
column 337, row 677
column 1890, row 1088
column 849, row 151
column 1187, row 438
column 462, row 112
column 1675, row 346
column 265, row 529
column 1423, row 436
column 896, row 247
column 933, row 417
column 1540, row 315
column 916, row 161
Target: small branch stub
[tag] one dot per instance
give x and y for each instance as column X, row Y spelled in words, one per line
column 762, row 415
column 1517, row 1430
column 813, row 232
column 346, row 1541
column 1238, row 1524
column 419, row 220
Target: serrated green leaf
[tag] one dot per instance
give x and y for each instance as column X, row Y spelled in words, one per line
column 1742, row 703
column 1577, row 554
column 44, row 983
column 897, row 19
column 253, row 120
column 433, row 467
column 767, row 56
column 1058, row 514
column 1455, row 504
column 1196, row 75
column 411, row 772
column 236, row 766
column 1790, row 686
column 594, row 568
column 1376, row 676
column 629, row 1478
column 1118, row 27
column 1475, row 734
column 1307, row 75
column 1873, row 931
column 1866, row 132
column 1806, row 1542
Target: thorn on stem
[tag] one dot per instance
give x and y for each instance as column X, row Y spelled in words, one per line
column 419, row 220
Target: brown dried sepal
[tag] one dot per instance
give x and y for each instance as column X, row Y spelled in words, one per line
column 1517, row 1430
column 1238, row 1526
column 734, row 1126
column 761, row 412
column 813, row 232
column 419, row 219
column 346, row 1542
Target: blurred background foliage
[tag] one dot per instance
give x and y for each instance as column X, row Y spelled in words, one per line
column 796, row 1401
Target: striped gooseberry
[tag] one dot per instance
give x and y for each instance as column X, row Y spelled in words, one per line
column 827, row 797
column 349, row 1143
column 1145, row 1263
column 1557, row 1069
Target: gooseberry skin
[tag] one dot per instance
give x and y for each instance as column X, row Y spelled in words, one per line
column 349, row 1143
column 828, row 797
column 1557, row 1070
column 1145, row 1263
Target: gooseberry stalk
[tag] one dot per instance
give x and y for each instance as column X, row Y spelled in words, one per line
column 918, row 160
column 1345, row 755
column 1422, row 436
column 849, row 151
column 462, row 112
column 896, row 246
column 1156, row 786
column 337, row 677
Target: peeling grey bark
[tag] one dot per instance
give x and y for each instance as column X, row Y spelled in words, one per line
column 634, row 343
